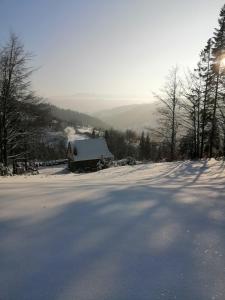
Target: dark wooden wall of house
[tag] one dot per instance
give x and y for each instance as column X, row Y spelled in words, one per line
column 87, row 165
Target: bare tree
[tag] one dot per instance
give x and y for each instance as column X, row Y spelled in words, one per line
column 168, row 120
column 191, row 109
column 14, row 92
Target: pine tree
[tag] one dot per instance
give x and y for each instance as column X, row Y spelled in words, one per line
column 147, row 147
column 218, row 53
column 142, row 146
column 205, row 72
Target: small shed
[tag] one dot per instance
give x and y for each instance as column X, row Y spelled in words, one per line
column 87, row 153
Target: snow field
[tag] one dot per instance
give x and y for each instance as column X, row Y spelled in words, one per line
column 154, row 231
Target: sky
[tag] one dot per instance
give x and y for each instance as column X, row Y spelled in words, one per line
column 108, row 48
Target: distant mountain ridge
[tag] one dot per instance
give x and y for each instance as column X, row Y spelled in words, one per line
column 92, row 103
column 136, row 116
column 75, row 118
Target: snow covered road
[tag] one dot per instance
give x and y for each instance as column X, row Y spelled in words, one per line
column 153, row 231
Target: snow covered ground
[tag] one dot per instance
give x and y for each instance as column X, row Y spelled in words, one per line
column 153, row 231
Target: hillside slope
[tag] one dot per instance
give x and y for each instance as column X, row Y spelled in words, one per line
column 92, row 103
column 135, row 117
column 75, row 118
column 153, row 231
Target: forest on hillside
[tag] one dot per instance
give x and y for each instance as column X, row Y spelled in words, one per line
column 191, row 122
column 30, row 127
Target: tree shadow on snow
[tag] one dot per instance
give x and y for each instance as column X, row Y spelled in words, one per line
column 128, row 243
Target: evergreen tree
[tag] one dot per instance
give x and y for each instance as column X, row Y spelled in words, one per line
column 147, row 147
column 142, row 146
column 205, row 72
column 218, row 55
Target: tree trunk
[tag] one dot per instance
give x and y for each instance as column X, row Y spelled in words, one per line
column 198, row 128
column 214, row 118
column 173, row 135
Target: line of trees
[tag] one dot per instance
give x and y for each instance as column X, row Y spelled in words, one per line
column 192, row 114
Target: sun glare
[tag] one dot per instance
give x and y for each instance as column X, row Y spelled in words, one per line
column 223, row 62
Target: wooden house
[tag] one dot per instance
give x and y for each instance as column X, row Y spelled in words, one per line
column 87, row 153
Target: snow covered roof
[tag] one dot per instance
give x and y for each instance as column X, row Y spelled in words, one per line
column 89, row 149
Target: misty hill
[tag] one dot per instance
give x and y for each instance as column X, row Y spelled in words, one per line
column 73, row 118
column 92, row 103
column 136, row 117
